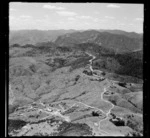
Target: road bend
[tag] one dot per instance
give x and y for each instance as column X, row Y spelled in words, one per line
column 105, row 89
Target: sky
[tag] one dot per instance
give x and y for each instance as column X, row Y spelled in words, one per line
column 78, row 16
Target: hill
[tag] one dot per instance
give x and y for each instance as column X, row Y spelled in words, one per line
column 23, row 37
column 117, row 42
column 129, row 34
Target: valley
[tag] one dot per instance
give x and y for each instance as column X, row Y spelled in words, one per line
column 86, row 83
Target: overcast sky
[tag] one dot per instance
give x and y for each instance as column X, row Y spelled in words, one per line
column 53, row 16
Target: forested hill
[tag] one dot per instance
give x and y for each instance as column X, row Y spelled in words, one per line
column 117, row 42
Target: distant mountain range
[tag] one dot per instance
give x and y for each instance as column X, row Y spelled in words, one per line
column 23, row 37
column 117, row 40
column 124, row 42
column 129, row 34
column 119, row 51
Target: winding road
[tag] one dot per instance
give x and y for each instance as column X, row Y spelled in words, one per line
column 105, row 89
column 57, row 112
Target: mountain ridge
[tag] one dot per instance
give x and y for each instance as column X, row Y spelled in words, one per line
column 120, row 43
column 23, row 37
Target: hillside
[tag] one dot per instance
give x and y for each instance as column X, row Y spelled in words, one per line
column 129, row 63
column 128, row 34
column 117, row 42
column 78, row 88
column 23, row 37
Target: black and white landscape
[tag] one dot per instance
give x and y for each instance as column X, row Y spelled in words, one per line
column 75, row 82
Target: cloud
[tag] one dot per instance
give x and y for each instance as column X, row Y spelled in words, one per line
column 109, row 17
column 66, row 13
column 96, row 20
column 121, row 24
column 11, row 19
column 87, row 23
column 12, row 9
column 113, row 6
column 71, row 19
column 84, row 17
column 51, row 7
column 139, row 19
column 25, row 16
column 96, row 12
column 131, row 24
